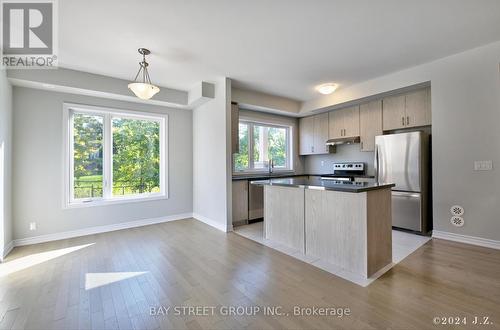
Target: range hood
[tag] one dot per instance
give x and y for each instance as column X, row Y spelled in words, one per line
column 343, row 140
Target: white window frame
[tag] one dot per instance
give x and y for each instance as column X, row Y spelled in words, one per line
column 251, row 169
column 107, row 169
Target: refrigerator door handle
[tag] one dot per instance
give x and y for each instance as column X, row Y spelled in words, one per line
column 406, row 194
column 376, row 165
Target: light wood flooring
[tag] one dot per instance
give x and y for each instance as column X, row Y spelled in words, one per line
column 403, row 244
column 111, row 280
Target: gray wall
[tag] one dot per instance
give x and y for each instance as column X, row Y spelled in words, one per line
column 6, row 174
column 283, row 120
column 323, row 164
column 37, row 180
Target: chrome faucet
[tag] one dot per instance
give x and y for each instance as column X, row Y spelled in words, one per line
column 271, row 165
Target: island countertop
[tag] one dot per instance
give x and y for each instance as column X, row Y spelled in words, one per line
column 266, row 176
column 318, row 184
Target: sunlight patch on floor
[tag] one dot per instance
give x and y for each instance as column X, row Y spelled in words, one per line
column 31, row 260
column 95, row 280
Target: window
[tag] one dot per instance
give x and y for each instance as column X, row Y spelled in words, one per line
column 113, row 155
column 259, row 143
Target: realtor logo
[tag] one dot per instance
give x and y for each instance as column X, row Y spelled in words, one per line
column 29, row 34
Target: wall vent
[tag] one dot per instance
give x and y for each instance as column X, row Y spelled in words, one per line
column 457, row 210
column 457, row 221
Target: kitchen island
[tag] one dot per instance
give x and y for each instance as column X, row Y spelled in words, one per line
column 347, row 224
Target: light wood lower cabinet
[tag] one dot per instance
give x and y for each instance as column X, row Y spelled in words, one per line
column 352, row 231
column 240, row 202
column 349, row 230
column 284, row 216
column 334, row 231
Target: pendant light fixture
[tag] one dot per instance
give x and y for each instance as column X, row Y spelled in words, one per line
column 143, row 88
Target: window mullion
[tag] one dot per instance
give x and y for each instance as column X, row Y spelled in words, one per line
column 70, row 149
column 250, row 147
column 108, row 159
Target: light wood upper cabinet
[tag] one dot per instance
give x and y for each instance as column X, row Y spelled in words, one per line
column 409, row 110
column 418, row 108
column 366, row 121
column 306, row 135
column 336, row 124
column 394, row 112
column 235, row 118
column 351, row 121
column 370, row 124
column 313, row 134
column 320, row 133
column 344, row 122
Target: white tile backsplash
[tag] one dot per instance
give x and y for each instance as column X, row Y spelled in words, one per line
column 321, row 164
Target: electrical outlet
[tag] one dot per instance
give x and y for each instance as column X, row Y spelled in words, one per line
column 483, row 165
column 32, row 225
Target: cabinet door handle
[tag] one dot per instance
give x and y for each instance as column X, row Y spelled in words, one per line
column 407, row 120
column 361, row 145
column 403, row 120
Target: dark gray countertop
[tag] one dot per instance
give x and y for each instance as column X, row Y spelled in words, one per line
column 284, row 175
column 267, row 176
column 317, row 183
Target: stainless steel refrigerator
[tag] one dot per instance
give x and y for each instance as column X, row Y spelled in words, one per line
column 403, row 159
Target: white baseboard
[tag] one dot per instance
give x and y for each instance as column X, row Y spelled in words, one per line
column 7, row 248
column 210, row 222
column 98, row 229
column 466, row 239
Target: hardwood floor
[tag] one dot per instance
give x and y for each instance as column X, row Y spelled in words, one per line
column 111, row 280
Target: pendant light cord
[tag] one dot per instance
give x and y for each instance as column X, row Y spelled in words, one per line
column 145, row 74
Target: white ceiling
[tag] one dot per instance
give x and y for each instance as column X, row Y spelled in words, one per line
column 280, row 47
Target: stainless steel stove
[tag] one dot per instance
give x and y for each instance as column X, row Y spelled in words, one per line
column 345, row 171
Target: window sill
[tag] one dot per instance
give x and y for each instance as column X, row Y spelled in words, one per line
column 247, row 173
column 115, row 201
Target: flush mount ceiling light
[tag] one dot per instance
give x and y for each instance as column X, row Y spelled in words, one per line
column 327, row 88
column 143, row 88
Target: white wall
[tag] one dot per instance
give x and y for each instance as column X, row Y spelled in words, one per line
column 211, row 158
column 6, row 167
column 37, row 179
column 466, row 113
